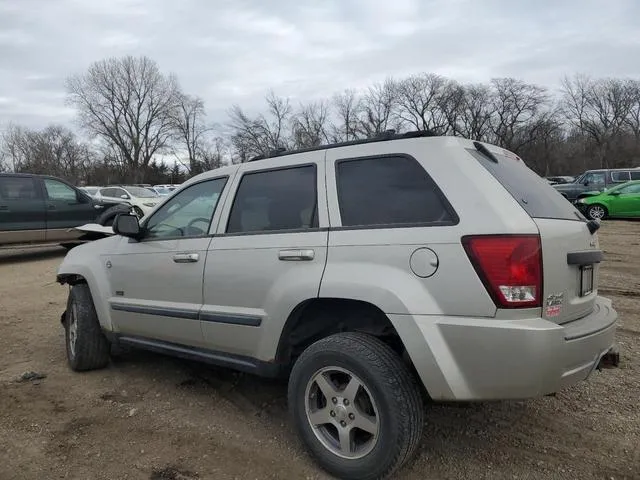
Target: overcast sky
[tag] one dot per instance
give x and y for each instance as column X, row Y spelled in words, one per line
column 234, row 51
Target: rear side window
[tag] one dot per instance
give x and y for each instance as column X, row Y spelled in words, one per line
column 635, row 175
column 620, row 176
column 534, row 194
column 18, row 188
column 275, row 200
column 389, row 190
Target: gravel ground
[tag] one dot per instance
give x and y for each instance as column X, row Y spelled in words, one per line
column 152, row 417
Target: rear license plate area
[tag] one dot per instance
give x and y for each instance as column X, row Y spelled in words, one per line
column 586, row 280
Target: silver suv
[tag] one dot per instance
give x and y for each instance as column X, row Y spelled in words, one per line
column 373, row 274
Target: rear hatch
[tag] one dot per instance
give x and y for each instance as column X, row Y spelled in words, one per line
column 570, row 251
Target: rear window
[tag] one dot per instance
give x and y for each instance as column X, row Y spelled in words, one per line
column 534, row 194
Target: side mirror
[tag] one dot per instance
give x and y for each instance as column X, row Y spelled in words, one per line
column 586, row 183
column 126, row 225
column 125, row 196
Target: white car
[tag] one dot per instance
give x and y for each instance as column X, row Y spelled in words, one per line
column 141, row 199
column 90, row 190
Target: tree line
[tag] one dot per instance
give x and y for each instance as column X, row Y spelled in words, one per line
column 132, row 115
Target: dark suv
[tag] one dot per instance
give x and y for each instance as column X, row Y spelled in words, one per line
column 37, row 209
column 597, row 181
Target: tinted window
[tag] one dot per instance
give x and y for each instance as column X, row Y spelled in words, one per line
column 620, row 176
column 18, row 188
column 534, row 194
column 595, row 178
column 59, row 191
column 188, row 214
column 635, row 175
column 275, row 200
column 388, row 191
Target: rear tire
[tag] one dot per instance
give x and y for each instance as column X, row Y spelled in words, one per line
column 385, row 399
column 597, row 212
column 87, row 347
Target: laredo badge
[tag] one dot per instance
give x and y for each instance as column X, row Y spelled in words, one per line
column 554, row 304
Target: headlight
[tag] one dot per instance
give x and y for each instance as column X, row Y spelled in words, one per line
column 581, row 200
column 149, row 204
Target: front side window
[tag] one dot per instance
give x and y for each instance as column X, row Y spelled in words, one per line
column 59, row 191
column 275, row 200
column 188, row 214
column 392, row 190
column 595, row 178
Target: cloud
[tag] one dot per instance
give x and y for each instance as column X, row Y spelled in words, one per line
column 234, row 51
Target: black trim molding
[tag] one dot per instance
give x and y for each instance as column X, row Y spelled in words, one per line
column 236, row 362
column 232, row 319
column 160, row 311
column 247, row 320
column 588, row 257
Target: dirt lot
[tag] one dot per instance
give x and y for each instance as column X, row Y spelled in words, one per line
column 152, row 417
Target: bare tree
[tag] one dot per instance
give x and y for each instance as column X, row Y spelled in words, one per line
column 54, row 150
column 516, row 106
column 599, row 109
column 347, row 106
column 378, row 111
column 262, row 134
column 128, row 103
column 420, row 99
column 633, row 117
column 473, row 120
column 311, row 125
column 190, row 129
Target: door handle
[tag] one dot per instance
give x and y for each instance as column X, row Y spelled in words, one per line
column 4, row 208
column 296, row 255
column 51, row 206
column 186, row 257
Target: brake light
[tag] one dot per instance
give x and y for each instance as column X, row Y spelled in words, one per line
column 510, row 266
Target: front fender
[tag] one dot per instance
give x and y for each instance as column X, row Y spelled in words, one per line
column 85, row 263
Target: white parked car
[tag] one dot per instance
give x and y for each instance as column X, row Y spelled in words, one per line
column 90, row 190
column 141, row 199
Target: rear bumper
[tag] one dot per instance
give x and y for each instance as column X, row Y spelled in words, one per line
column 461, row 358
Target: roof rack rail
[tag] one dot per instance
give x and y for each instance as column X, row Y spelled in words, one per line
column 381, row 137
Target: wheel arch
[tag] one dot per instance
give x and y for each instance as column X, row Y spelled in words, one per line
column 81, row 274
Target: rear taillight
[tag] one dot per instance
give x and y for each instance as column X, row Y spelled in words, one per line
column 510, row 267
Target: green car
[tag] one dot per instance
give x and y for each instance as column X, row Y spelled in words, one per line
column 620, row 201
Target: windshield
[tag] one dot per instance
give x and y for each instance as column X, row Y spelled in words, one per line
column 162, row 191
column 141, row 192
column 91, row 190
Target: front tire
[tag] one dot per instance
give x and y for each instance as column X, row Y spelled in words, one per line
column 108, row 216
column 356, row 406
column 87, row 347
column 597, row 212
